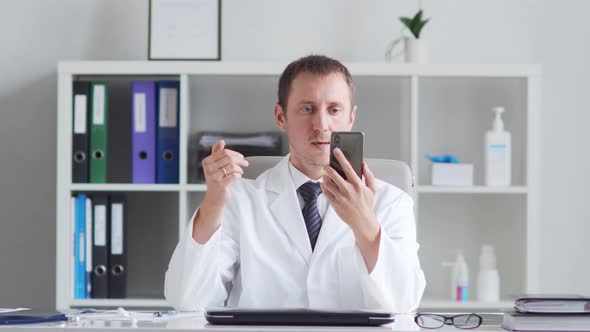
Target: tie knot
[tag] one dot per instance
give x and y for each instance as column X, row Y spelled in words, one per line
column 310, row 191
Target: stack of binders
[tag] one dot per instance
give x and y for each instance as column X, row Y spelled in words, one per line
column 154, row 132
column 549, row 313
column 100, row 243
column 90, row 132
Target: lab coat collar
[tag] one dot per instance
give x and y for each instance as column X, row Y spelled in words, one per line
column 284, row 206
column 286, row 210
column 298, row 177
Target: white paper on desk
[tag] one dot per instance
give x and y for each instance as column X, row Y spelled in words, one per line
column 182, row 29
column 179, row 315
column 5, row 310
column 140, row 316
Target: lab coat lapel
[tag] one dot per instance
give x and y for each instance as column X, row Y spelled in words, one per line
column 285, row 208
column 332, row 228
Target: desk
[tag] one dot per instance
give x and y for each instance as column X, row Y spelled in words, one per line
column 402, row 324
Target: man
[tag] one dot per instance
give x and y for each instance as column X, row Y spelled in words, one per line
column 285, row 240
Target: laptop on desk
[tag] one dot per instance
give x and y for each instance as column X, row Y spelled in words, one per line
column 237, row 316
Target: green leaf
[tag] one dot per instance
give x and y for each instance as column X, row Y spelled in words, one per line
column 419, row 28
column 415, row 21
column 406, row 21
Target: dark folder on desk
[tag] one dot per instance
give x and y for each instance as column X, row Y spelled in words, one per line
column 234, row 316
column 118, row 247
column 81, row 105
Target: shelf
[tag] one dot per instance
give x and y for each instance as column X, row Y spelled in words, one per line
column 201, row 187
column 146, row 303
column 124, row 187
column 454, row 305
column 471, row 190
column 137, row 187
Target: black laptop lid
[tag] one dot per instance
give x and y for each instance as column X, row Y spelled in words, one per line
column 238, row 316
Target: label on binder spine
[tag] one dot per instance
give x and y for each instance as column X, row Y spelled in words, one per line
column 117, row 229
column 139, row 116
column 100, row 219
column 80, row 114
column 168, row 106
column 98, row 94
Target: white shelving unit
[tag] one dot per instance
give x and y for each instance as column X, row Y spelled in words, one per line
column 472, row 190
column 405, row 111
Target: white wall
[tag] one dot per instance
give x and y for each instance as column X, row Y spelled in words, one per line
column 565, row 211
column 34, row 35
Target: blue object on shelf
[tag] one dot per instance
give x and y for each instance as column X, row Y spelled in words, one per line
column 446, row 158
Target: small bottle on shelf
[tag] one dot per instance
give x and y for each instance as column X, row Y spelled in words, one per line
column 488, row 278
column 498, row 152
column 459, row 278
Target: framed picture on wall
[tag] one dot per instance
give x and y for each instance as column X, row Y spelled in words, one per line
column 184, row 30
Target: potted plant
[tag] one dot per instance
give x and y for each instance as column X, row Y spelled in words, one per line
column 416, row 49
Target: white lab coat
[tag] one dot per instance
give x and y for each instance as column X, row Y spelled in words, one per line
column 262, row 249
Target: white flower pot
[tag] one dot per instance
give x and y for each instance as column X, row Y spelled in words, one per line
column 416, row 50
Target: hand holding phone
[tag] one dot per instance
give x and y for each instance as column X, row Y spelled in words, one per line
column 351, row 144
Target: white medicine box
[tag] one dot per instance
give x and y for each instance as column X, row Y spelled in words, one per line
column 448, row 174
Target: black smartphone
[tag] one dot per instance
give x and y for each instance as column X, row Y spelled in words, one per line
column 351, row 143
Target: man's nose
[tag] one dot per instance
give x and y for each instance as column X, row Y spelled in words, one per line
column 321, row 121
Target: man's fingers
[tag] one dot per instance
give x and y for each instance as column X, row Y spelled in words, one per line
column 228, row 160
column 221, row 169
column 230, row 171
column 233, row 168
column 369, row 178
column 218, row 146
column 351, row 175
column 331, row 186
column 334, row 176
column 231, row 177
column 224, row 157
column 225, row 153
column 327, row 191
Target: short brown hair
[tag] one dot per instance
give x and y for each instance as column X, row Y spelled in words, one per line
column 314, row 64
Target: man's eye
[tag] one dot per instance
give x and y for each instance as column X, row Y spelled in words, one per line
column 307, row 109
column 336, row 110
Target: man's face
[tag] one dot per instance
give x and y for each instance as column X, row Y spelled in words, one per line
column 317, row 106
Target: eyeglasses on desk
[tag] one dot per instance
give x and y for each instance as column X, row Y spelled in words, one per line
column 435, row 321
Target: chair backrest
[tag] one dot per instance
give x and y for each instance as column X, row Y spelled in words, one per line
column 391, row 171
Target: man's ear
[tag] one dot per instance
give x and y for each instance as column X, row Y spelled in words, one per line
column 280, row 117
column 352, row 117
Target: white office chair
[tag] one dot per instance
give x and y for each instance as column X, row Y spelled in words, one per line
column 394, row 172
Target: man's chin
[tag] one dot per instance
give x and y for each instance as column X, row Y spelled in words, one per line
column 320, row 161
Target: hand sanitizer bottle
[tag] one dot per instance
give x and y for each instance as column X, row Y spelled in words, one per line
column 498, row 152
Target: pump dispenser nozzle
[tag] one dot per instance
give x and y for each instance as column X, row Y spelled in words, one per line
column 498, row 123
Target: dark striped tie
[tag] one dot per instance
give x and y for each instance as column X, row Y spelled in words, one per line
column 313, row 222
